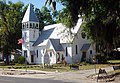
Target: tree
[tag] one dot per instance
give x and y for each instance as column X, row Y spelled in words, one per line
column 10, row 27
column 45, row 17
column 39, row 16
column 53, row 2
column 100, row 20
column 103, row 25
column 46, row 13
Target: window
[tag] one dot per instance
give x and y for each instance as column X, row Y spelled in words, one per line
column 25, row 53
column 30, row 25
column 33, row 25
column 23, row 26
column 27, row 25
column 25, row 35
column 36, row 25
column 90, row 51
column 34, row 34
column 43, row 50
column 63, row 57
column 58, row 59
column 76, row 49
column 83, row 35
column 50, row 54
column 66, row 52
column 37, row 53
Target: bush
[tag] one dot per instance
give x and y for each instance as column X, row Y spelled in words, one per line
column 102, row 58
column 74, row 66
column 21, row 60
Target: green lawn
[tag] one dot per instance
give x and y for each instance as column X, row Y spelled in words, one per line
column 58, row 67
column 114, row 61
column 92, row 66
column 61, row 67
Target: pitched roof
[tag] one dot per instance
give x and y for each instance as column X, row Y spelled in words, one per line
column 85, row 47
column 30, row 15
column 55, row 31
column 56, row 44
column 44, row 36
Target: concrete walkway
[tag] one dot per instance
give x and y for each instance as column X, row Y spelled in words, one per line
column 75, row 77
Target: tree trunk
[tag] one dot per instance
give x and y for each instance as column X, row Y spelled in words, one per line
column 6, row 55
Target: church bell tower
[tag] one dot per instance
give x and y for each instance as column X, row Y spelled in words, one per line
column 30, row 33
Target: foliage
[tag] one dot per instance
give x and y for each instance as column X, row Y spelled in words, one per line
column 103, row 25
column 101, row 20
column 10, row 26
column 114, row 55
column 113, row 61
column 46, row 13
column 51, row 2
column 21, row 60
column 11, row 15
column 101, row 58
column 45, row 17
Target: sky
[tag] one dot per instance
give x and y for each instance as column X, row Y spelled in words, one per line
column 36, row 3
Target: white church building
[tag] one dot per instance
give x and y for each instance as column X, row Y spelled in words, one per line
column 54, row 43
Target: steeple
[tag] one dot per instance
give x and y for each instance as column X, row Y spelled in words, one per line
column 30, row 32
column 30, row 15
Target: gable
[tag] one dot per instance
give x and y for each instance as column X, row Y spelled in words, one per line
column 44, row 36
column 57, row 31
column 56, row 44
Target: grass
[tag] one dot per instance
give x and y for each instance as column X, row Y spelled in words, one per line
column 115, row 71
column 114, row 61
column 92, row 66
column 61, row 67
column 57, row 67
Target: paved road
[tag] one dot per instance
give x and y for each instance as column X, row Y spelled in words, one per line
column 52, row 77
column 27, row 80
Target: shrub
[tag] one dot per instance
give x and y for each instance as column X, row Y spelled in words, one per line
column 21, row 60
column 74, row 65
column 102, row 58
